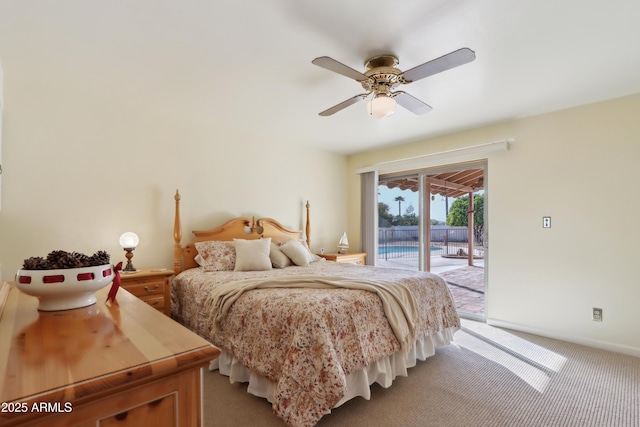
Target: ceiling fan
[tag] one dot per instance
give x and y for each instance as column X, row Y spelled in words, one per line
column 383, row 76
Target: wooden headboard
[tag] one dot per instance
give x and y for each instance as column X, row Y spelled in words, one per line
column 238, row 228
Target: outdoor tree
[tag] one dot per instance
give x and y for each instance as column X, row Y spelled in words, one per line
column 385, row 218
column 409, row 217
column 399, row 199
column 410, row 211
column 458, row 214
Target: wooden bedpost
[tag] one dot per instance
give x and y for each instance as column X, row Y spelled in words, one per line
column 177, row 237
column 308, row 227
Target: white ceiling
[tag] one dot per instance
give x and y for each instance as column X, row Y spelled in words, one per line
column 247, row 67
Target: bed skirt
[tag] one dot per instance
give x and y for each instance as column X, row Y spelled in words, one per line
column 383, row 372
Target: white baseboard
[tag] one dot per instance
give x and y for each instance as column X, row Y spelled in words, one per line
column 617, row 348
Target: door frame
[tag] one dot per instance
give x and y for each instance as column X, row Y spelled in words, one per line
column 425, row 204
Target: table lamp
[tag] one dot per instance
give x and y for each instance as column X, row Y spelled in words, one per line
column 129, row 241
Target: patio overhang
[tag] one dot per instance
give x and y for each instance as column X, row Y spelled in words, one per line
column 448, row 184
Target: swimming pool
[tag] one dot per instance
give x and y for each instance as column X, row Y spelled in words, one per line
column 382, row 250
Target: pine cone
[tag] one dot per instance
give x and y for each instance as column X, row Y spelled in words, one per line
column 55, row 259
column 35, row 263
column 100, row 258
column 82, row 259
column 62, row 259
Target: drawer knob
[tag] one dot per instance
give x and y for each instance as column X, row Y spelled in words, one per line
column 155, row 288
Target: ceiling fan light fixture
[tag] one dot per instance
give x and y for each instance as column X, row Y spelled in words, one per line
column 383, row 76
column 381, row 106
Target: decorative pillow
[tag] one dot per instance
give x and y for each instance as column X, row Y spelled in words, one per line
column 216, row 255
column 278, row 258
column 252, row 255
column 296, row 252
column 312, row 257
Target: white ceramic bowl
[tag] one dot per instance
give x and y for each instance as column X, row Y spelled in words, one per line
column 64, row 289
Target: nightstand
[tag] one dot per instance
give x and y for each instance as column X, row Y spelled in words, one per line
column 151, row 285
column 351, row 258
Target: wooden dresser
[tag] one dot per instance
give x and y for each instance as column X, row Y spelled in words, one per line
column 151, row 285
column 351, row 258
column 121, row 365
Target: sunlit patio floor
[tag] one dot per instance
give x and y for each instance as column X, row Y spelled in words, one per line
column 466, row 283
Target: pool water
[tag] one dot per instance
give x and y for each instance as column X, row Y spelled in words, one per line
column 402, row 249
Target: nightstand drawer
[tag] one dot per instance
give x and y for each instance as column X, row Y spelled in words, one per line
column 152, row 285
column 146, row 287
column 352, row 259
column 357, row 258
column 156, row 302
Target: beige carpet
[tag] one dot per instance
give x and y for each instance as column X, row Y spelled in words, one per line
column 489, row 377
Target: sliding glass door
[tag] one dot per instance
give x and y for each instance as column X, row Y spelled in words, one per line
column 434, row 220
column 399, row 222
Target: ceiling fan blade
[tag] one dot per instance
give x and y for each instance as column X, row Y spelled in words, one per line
column 338, row 67
column 445, row 62
column 343, row 105
column 411, row 103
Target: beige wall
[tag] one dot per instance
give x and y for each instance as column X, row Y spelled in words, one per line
column 577, row 166
column 80, row 169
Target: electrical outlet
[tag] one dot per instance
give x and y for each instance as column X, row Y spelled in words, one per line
column 546, row 222
column 596, row 316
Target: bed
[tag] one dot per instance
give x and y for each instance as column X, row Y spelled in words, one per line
column 304, row 333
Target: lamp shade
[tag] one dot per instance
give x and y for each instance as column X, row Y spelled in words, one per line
column 129, row 240
column 381, row 106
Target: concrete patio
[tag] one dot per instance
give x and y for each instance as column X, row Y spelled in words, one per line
column 466, row 283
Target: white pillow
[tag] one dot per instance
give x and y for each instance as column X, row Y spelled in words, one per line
column 312, row 257
column 296, row 252
column 278, row 258
column 252, row 255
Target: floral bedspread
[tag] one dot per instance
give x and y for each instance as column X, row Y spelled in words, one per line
column 307, row 340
